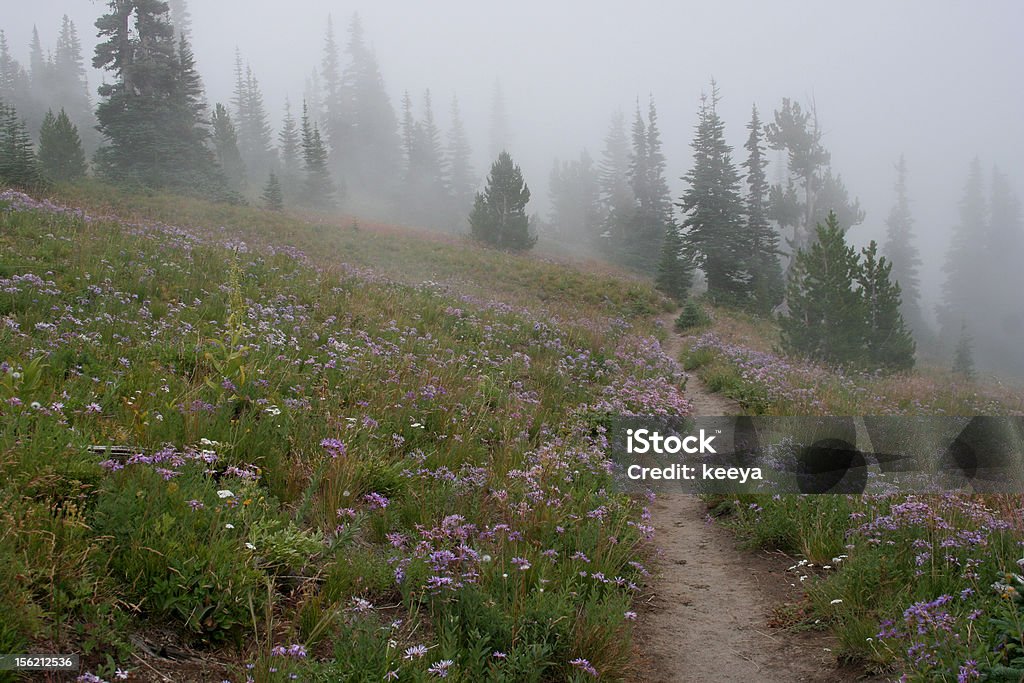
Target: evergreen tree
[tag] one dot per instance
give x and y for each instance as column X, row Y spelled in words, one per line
column 812, row 190
column 715, row 236
column 273, row 197
column 675, row 271
column 18, row 165
column 369, row 159
column 826, row 318
column 61, row 157
column 71, row 86
column 461, row 180
column 1001, row 325
column 903, row 254
column 289, row 143
column 617, row 200
column 252, row 123
column 963, row 291
column 499, row 212
column 652, row 211
column 181, row 19
column 888, row 343
column 148, row 117
column 963, row 356
column 573, row 191
column 15, row 88
column 336, row 124
column 766, row 285
column 225, row 144
column 318, row 191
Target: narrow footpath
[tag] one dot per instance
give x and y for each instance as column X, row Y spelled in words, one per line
column 709, row 618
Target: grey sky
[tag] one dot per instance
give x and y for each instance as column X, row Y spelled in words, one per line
column 939, row 81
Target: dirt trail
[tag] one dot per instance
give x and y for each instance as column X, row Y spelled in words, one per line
column 708, row 620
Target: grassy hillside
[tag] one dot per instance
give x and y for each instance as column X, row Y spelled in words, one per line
column 272, row 448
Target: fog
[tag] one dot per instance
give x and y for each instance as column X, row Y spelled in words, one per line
column 936, row 82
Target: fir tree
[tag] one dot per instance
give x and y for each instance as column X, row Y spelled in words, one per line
column 963, row 356
column 766, row 285
column 963, row 292
column 616, row 195
column 902, row 252
column 289, row 143
column 61, row 157
column 826, row 319
column 499, row 212
column 889, row 345
column 15, row 88
column 336, row 123
column 273, row 197
column 675, row 272
column 149, row 116
column 181, row 19
column 318, row 190
column 715, row 237
column 461, row 179
column 575, row 214
column 651, row 213
column 225, row 144
column 18, row 165
column 71, row 86
column 252, row 123
column 812, row 190
column 369, row 159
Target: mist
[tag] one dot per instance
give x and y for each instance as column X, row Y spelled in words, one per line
column 938, row 84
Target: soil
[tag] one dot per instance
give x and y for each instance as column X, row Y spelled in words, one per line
column 719, row 613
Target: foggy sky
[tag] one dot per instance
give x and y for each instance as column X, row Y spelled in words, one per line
column 937, row 81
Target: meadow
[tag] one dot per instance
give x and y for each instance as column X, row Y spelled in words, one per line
column 268, row 449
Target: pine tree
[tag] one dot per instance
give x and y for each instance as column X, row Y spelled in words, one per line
column 675, row 272
column 617, row 200
column 273, row 197
column 902, row 252
column 71, row 85
column 181, row 19
column 370, row 159
column 812, row 190
column 652, row 212
column 461, row 179
column 963, row 292
column 826, row 319
column 289, row 143
column 335, row 115
column 573, row 191
column 715, row 237
column 252, row 123
column 225, row 144
column 889, row 345
column 61, row 157
column 318, row 191
column 1000, row 327
column 499, row 212
column 963, row 356
column 149, row 115
column 766, row 285
column 18, row 165
column 15, row 87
